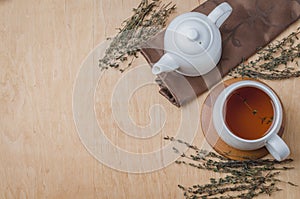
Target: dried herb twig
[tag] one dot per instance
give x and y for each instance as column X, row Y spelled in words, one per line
column 278, row 60
column 264, row 119
column 243, row 179
column 148, row 19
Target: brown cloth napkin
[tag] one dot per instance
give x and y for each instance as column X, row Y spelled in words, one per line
column 252, row 24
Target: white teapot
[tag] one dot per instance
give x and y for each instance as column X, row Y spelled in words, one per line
column 193, row 43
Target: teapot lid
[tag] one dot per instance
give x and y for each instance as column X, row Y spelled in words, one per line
column 191, row 33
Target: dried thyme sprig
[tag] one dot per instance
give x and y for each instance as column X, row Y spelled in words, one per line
column 278, row 60
column 238, row 187
column 244, row 179
column 148, row 19
column 264, row 119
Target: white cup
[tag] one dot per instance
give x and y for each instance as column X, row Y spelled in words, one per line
column 275, row 145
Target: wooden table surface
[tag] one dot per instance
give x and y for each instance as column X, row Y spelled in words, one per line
column 43, row 45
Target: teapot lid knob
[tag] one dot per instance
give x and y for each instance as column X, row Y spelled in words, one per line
column 192, row 34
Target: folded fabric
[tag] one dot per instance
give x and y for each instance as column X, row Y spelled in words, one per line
column 252, row 24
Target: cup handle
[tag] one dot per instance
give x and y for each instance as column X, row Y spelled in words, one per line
column 220, row 14
column 277, row 148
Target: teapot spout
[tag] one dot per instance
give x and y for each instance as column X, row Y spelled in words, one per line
column 165, row 64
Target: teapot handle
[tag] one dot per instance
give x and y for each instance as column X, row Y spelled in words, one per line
column 220, row 14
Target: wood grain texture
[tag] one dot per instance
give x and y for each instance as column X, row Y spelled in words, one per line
column 42, row 45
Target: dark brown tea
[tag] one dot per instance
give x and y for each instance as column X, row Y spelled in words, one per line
column 249, row 113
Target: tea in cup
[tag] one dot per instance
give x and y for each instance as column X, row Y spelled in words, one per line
column 248, row 115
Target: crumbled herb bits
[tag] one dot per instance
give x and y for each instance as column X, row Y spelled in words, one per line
column 249, row 113
column 242, row 179
column 148, row 19
column 278, row 60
